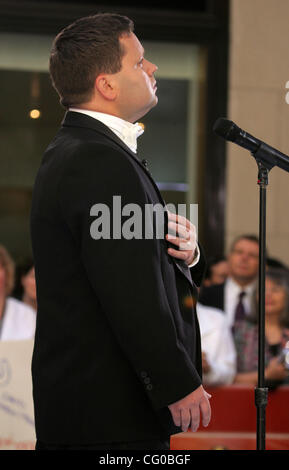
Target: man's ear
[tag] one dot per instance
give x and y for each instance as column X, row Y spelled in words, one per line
column 106, row 86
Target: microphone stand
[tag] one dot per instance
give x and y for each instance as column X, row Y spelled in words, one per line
column 261, row 392
column 266, row 158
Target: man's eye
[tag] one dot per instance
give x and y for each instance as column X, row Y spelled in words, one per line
column 140, row 63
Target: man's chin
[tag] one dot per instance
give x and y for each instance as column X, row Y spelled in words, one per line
column 152, row 104
column 244, row 278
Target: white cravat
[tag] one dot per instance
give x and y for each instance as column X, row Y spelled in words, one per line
column 125, row 130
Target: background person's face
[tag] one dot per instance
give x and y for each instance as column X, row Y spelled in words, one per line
column 136, row 83
column 220, row 272
column 29, row 284
column 275, row 298
column 244, row 260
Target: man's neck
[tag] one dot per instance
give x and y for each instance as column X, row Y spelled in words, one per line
column 110, row 110
column 273, row 320
column 241, row 282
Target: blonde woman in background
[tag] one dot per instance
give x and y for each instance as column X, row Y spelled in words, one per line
column 17, row 320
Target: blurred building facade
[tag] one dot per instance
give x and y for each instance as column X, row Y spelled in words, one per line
column 186, row 41
column 257, row 93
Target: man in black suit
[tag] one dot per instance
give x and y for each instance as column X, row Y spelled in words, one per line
column 116, row 362
column 243, row 265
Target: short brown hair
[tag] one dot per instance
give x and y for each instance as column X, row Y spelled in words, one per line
column 83, row 50
column 8, row 265
column 250, row 237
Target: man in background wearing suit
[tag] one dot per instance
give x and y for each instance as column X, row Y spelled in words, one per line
column 117, row 361
column 234, row 296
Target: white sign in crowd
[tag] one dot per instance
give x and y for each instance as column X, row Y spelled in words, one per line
column 17, row 431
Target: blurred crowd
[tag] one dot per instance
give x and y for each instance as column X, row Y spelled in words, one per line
column 227, row 311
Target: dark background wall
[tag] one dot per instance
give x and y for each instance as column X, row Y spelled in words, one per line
column 202, row 22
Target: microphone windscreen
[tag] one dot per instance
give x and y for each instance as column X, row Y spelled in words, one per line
column 226, row 129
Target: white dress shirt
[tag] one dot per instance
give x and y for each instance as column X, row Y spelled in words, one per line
column 218, row 345
column 19, row 321
column 129, row 134
column 232, row 291
column 125, row 130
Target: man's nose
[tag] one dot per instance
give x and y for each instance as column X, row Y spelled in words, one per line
column 245, row 255
column 150, row 68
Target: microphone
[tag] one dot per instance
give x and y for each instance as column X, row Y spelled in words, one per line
column 260, row 150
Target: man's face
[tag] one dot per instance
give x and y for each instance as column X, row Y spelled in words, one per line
column 275, row 298
column 135, row 82
column 244, row 261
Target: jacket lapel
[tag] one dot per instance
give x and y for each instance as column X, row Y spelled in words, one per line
column 74, row 119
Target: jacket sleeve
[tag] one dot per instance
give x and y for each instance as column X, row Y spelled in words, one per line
column 125, row 273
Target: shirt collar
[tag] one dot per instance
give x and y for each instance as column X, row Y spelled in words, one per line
column 126, row 131
column 236, row 288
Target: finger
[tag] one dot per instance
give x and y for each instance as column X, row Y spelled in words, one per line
column 188, row 246
column 195, row 417
column 183, row 244
column 186, row 419
column 184, row 252
column 184, row 239
column 178, row 254
column 180, row 231
column 176, row 415
column 180, row 219
column 205, row 411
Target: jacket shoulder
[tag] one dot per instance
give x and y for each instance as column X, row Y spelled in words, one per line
column 212, row 296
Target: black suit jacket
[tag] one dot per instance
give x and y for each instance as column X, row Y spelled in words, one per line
column 213, row 296
column 117, row 339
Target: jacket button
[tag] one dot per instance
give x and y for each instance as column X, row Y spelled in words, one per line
column 143, row 374
column 147, row 380
column 149, row 387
